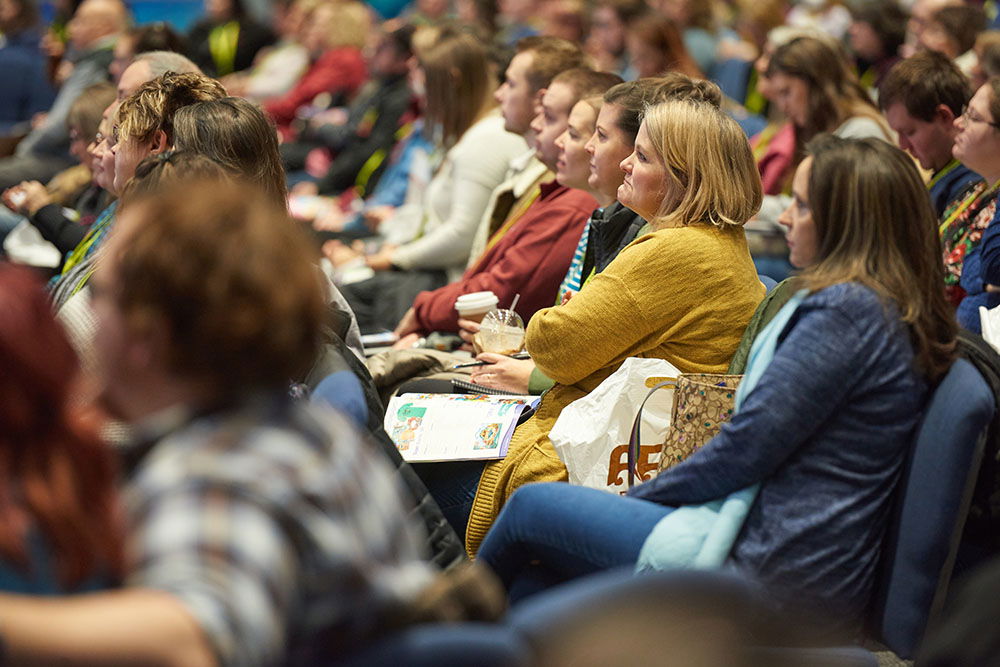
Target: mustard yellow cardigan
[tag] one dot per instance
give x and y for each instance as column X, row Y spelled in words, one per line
column 683, row 294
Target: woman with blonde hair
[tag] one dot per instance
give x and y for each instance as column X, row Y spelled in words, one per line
column 692, row 176
column 836, row 384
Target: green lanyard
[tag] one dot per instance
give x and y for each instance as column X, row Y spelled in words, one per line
column 222, row 44
column 950, row 167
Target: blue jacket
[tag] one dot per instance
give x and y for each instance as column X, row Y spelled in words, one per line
column 825, row 431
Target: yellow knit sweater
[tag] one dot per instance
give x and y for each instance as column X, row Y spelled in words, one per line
column 683, row 294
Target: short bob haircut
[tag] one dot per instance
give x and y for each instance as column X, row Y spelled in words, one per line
column 152, row 107
column 709, row 165
column 875, row 225
column 226, row 277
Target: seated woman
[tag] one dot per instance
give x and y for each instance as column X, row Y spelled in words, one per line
column 43, row 227
column 59, row 509
column 613, row 226
column 825, row 428
column 970, row 229
column 812, row 83
column 429, row 239
column 143, row 126
column 645, row 304
column 333, row 37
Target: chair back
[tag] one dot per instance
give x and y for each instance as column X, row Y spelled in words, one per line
column 933, row 500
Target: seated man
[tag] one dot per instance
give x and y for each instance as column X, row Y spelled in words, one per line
column 529, row 254
column 921, row 97
column 45, row 151
column 368, row 128
column 261, row 530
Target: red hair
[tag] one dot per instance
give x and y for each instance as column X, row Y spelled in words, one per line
column 56, row 475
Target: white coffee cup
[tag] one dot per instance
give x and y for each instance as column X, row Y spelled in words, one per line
column 474, row 306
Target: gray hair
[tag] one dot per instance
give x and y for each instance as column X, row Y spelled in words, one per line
column 161, row 62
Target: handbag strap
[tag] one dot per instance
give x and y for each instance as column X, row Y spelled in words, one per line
column 633, row 439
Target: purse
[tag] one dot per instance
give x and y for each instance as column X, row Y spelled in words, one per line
column 702, row 403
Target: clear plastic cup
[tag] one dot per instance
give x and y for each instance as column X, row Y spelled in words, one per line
column 502, row 332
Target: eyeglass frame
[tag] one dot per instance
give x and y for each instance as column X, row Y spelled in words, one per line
column 976, row 119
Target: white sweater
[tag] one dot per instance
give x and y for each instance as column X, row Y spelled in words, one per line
column 457, row 196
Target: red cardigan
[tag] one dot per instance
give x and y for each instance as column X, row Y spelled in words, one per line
column 340, row 70
column 531, row 259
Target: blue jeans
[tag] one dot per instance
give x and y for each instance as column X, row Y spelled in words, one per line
column 552, row 532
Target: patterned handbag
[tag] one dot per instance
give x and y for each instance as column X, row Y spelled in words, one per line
column 702, row 403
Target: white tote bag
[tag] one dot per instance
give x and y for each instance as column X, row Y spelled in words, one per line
column 592, row 433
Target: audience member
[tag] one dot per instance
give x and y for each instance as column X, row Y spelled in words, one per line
column 517, row 20
column 655, row 47
column 530, row 253
column 987, row 65
column 876, row 35
column 952, row 31
column 613, row 227
column 62, row 522
column 537, row 61
column 368, row 128
column 196, row 347
column 44, row 152
column 814, row 87
column 922, row 97
column 23, row 75
column 158, row 36
column 478, row 14
column 977, row 235
column 869, row 331
column 642, row 304
column 334, row 37
column 277, row 68
column 696, row 20
column 152, row 65
column 608, row 32
column 235, row 133
column 76, row 188
column 921, row 13
column 459, row 106
column 227, row 39
column 143, row 126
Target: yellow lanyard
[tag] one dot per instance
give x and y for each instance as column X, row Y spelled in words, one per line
column 969, row 201
column 222, row 44
column 941, row 174
column 513, row 217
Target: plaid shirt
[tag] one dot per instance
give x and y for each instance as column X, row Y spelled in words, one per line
column 274, row 524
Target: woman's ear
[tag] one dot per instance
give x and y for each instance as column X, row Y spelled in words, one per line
column 160, row 143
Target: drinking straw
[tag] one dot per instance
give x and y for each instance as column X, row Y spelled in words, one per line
column 513, row 304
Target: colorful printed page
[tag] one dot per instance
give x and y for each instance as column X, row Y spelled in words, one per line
column 453, row 427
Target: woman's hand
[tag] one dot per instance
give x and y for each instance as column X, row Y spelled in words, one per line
column 503, row 373
column 27, row 197
column 340, row 254
column 376, row 215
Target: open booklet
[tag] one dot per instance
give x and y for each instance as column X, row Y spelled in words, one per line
column 453, row 427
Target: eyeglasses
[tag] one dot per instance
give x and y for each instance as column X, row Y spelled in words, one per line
column 970, row 116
